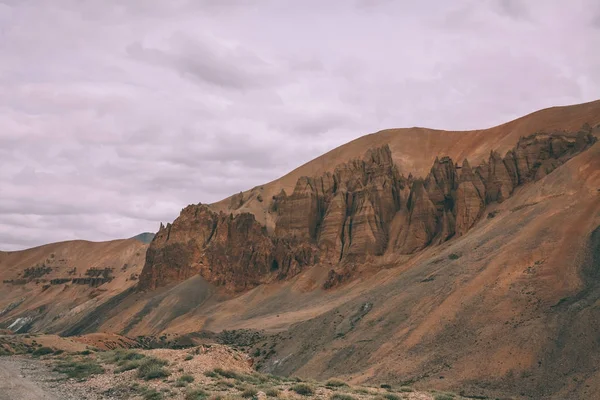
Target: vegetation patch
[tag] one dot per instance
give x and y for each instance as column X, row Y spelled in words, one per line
column 42, row 351
column 443, row 396
column 152, row 368
column 79, row 369
column 341, row 396
column 187, row 378
column 272, row 392
column 335, row 383
column 303, row 389
column 196, row 394
column 249, row 392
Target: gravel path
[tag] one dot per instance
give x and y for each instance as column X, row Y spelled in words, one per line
column 30, row 379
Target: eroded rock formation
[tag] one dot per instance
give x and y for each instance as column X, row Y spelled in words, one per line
column 363, row 209
column 233, row 251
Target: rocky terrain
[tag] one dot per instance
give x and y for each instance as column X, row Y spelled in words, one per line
column 465, row 262
column 196, row 373
column 364, row 208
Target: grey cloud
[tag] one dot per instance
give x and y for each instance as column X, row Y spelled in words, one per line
column 227, row 68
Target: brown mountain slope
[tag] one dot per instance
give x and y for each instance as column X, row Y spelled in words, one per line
column 415, row 149
column 46, row 287
column 509, row 309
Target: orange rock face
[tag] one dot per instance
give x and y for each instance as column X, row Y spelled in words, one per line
column 364, row 208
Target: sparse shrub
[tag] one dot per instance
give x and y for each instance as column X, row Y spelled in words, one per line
column 303, row 389
column 223, row 384
column 443, row 396
column 335, row 383
column 361, row 391
column 249, row 392
column 385, row 386
column 188, row 357
column 391, row 396
column 226, row 373
column 341, row 396
column 406, row 389
column 454, row 256
column 79, row 369
column 211, row 374
column 127, row 366
column 152, row 368
column 272, row 392
column 4, row 352
column 186, row 378
column 42, row 351
column 152, row 394
column 197, row 394
column 85, row 352
column 58, row 352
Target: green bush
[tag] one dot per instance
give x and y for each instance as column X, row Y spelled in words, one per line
column 226, row 373
column 152, row 368
column 406, row 389
column 249, row 392
column 79, row 369
column 443, row 396
column 4, row 352
column 272, row 392
column 385, row 386
column 303, row 389
column 186, row 378
column 340, row 396
column 391, row 396
column 188, row 357
column 42, row 351
column 197, row 394
column 454, row 256
column 120, row 357
column 335, row 383
column 152, row 394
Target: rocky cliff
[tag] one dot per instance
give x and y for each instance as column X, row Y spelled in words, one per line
column 363, row 209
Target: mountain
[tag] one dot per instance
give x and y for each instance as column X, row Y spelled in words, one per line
column 145, row 237
column 46, row 288
column 463, row 261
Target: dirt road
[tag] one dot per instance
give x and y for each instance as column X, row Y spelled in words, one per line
column 15, row 384
column 31, row 379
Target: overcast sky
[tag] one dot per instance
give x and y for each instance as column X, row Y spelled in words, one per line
column 114, row 115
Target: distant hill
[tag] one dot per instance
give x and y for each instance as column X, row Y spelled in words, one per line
column 145, row 237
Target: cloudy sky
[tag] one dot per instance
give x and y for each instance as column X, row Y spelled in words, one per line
column 116, row 114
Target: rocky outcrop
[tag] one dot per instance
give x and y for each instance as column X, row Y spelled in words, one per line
column 363, row 209
column 233, row 251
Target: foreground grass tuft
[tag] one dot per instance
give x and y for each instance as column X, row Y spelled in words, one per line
column 443, row 396
column 152, row 368
column 42, row 351
column 79, row 369
column 303, row 389
column 197, row 394
column 335, row 383
column 341, row 396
